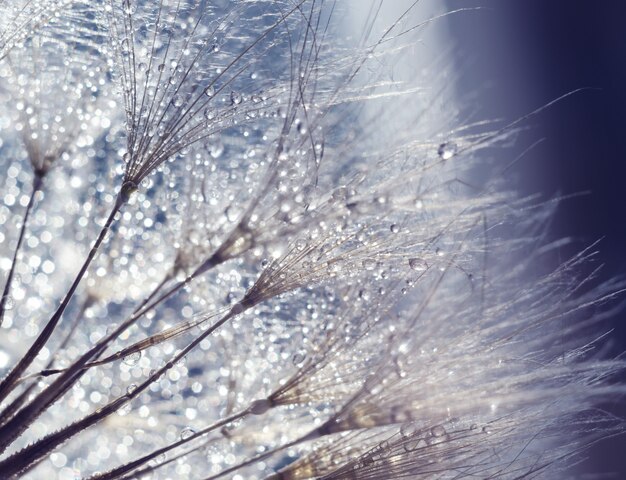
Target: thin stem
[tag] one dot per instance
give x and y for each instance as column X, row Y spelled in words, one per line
column 137, row 474
column 37, row 184
column 21, row 460
column 168, row 276
column 19, row 401
column 72, row 374
column 146, row 306
column 312, row 435
column 10, row 409
column 80, row 365
column 11, row 379
column 127, row 468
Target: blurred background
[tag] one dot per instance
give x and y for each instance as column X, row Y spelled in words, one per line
column 522, row 54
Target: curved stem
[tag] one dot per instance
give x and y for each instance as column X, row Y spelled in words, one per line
column 8, row 383
column 37, row 184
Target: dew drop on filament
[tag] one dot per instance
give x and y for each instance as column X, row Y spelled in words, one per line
column 417, row 264
column 447, row 150
column 300, row 244
column 438, row 431
column 132, row 358
column 235, row 98
column 298, row 358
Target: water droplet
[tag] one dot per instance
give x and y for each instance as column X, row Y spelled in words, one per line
column 400, row 368
column 333, row 267
column 407, row 429
column 186, row 433
column 412, row 445
column 132, row 358
column 232, row 213
column 215, row 149
column 394, row 228
column 298, row 358
column 131, row 388
column 126, row 157
column 209, row 114
column 447, row 150
column 486, row 430
column 161, row 67
column 417, row 264
column 438, row 431
column 209, row 91
column 9, row 302
column 300, row 244
column 125, row 45
column 383, row 450
column 235, row 98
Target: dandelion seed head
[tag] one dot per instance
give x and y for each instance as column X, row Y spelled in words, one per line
column 301, row 275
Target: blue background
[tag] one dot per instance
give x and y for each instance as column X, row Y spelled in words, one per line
column 521, row 54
